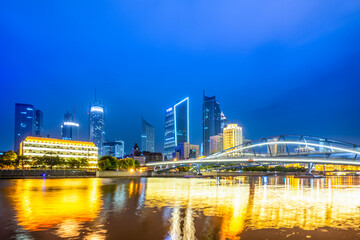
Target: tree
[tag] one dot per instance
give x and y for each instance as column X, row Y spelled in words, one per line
column 107, row 163
column 49, row 160
column 84, row 162
column 8, row 159
column 128, row 163
column 73, row 163
column 23, row 161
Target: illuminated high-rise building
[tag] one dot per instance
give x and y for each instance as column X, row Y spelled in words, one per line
column 39, row 123
column 223, row 121
column 24, row 123
column 176, row 126
column 232, row 136
column 69, row 128
column 211, row 114
column 147, row 137
column 97, row 125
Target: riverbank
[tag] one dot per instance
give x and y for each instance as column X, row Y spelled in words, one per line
column 23, row 174
column 45, row 173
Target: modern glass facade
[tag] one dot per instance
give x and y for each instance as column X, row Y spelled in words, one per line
column 24, row 123
column 211, row 121
column 147, row 136
column 97, row 125
column 176, row 126
column 69, row 128
column 114, row 149
column 39, row 123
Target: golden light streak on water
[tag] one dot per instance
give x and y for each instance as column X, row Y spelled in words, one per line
column 42, row 204
column 265, row 206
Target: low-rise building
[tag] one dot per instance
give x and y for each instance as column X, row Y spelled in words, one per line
column 38, row 146
column 114, row 149
column 216, row 143
column 186, row 151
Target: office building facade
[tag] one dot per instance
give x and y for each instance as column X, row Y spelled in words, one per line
column 24, row 123
column 211, row 114
column 69, row 128
column 147, row 136
column 115, row 149
column 176, row 126
column 232, row 136
column 216, row 143
column 97, row 125
column 39, row 123
column 38, row 146
column 186, row 150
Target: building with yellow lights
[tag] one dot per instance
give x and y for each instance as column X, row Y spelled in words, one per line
column 38, row 146
column 232, row 136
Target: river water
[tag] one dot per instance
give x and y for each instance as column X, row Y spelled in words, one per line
column 177, row 208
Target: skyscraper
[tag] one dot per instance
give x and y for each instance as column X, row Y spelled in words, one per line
column 223, row 121
column 147, row 136
column 97, row 125
column 211, row 121
column 232, row 136
column 176, row 126
column 24, row 123
column 39, row 123
column 69, row 128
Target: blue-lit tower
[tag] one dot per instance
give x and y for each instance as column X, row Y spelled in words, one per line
column 69, row 128
column 24, row 123
column 97, row 125
column 147, row 136
column 212, row 124
column 39, row 123
column 176, row 126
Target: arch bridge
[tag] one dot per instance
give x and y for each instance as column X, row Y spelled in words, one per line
column 283, row 149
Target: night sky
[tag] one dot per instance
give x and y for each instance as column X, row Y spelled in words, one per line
column 276, row 67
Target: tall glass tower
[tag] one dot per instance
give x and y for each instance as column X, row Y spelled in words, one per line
column 69, row 129
column 211, row 121
column 39, row 123
column 147, row 136
column 176, row 126
column 24, row 123
column 97, row 125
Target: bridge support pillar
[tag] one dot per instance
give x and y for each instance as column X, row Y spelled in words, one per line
column 198, row 169
column 310, row 167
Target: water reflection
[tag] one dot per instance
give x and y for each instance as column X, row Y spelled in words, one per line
column 175, row 208
column 65, row 203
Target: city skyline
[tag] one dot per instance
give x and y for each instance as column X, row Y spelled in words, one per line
column 283, row 74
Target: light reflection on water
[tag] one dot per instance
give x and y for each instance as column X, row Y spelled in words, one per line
column 175, row 208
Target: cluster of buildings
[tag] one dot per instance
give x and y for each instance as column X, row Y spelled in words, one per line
column 218, row 134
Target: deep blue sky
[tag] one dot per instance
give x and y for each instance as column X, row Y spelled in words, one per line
column 277, row 67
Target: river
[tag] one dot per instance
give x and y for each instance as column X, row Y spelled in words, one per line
column 179, row 208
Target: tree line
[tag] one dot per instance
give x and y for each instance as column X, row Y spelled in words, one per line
column 109, row 163
column 12, row 160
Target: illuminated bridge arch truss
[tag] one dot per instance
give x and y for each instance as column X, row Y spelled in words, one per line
column 281, row 149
